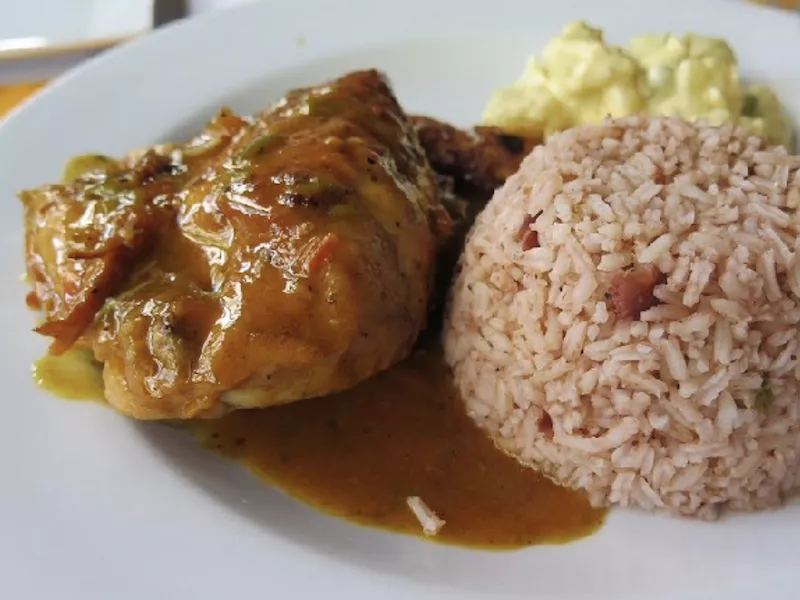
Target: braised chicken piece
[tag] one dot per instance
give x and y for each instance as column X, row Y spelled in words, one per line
column 482, row 158
column 270, row 259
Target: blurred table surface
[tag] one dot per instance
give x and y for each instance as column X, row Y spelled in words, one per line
column 13, row 93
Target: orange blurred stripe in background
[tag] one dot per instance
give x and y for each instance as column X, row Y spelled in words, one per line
column 790, row 4
column 11, row 95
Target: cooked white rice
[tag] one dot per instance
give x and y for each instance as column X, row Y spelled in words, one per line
column 688, row 406
column 429, row 520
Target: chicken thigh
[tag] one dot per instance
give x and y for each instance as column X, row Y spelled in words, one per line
column 272, row 258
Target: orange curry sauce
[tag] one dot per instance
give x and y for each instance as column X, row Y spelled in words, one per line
column 361, row 453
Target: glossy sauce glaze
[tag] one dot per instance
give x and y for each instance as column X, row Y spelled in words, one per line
column 361, row 453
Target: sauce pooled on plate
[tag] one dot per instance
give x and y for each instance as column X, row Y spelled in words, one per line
column 360, row 454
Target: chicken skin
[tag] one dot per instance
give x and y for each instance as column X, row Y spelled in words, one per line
column 272, row 258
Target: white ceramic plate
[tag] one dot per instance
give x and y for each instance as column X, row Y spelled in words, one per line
column 96, row 507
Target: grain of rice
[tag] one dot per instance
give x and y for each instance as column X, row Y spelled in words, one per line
column 430, row 521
